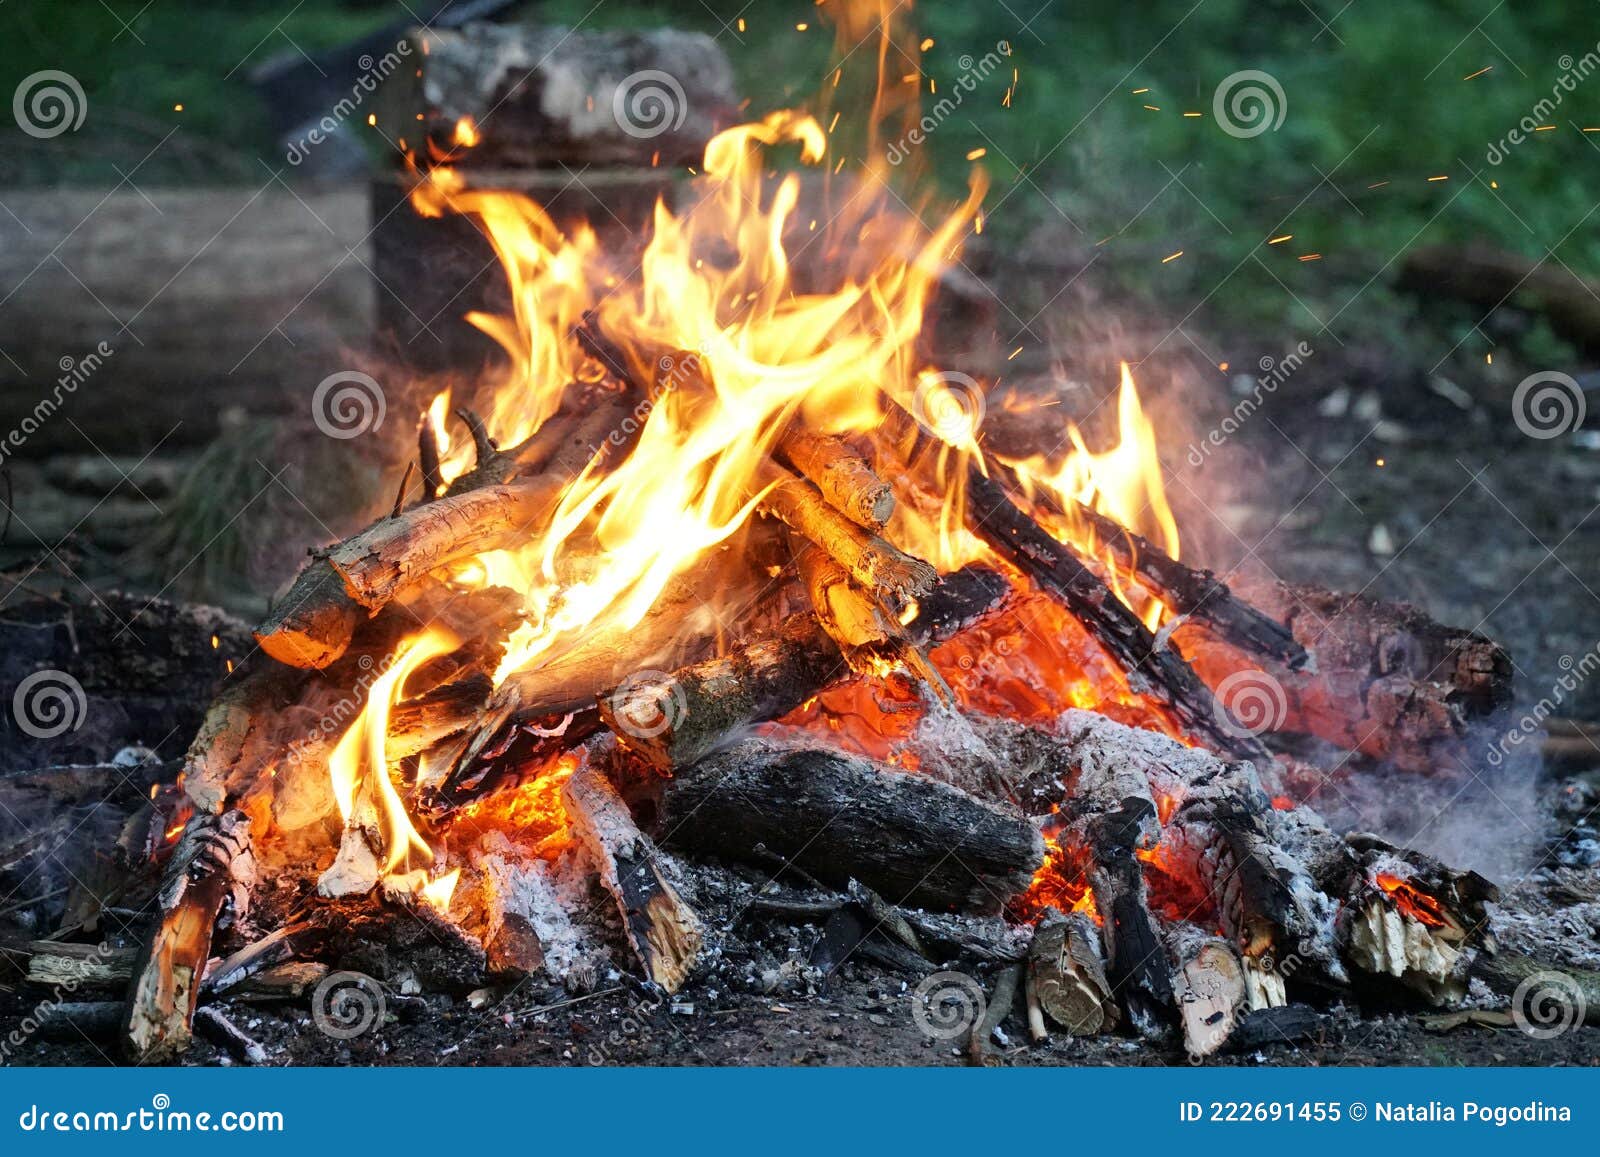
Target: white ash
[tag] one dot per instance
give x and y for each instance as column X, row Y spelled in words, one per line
column 546, row 896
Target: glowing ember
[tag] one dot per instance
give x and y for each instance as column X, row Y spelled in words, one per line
column 1415, row 903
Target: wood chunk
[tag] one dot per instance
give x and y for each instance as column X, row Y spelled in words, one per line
column 1564, row 991
column 912, row 839
column 1211, row 989
column 980, row 1046
column 72, row 966
column 851, row 616
column 378, row 563
column 842, row 475
column 673, row 720
column 546, row 95
column 1384, row 680
column 1066, row 972
column 314, row 621
column 883, row 570
column 214, row 1025
column 663, row 930
column 211, row 872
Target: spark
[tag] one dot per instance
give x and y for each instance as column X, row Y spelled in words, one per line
column 1480, row 72
column 1280, row 240
column 976, row 153
column 1174, row 257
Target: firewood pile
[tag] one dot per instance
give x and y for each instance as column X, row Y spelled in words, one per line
column 958, row 717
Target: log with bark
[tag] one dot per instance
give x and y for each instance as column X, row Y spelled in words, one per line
column 208, row 880
column 910, row 838
column 841, row 474
column 1067, row 975
column 1493, row 278
column 663, row 930
column 1386, row 680
column 674, row 720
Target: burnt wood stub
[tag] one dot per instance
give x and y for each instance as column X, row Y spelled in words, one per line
column 665, row 933
column 208, row 880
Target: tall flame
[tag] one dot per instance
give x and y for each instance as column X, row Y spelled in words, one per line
column 359, row 763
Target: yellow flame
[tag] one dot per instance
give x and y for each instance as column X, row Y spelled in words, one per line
column 716, row 280
column 440, row 892
column 360, row 763
column 1123, row 483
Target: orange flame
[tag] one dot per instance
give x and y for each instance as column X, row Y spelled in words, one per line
column 1411, row 900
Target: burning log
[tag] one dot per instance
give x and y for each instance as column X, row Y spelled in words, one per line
column 852, row 618
column 1385, row 680
column 663, row 930
column 673, row 720
column 1197, row 594
column 842, row 475
column 909, row 837
column 210, row 876
column 396, row 552
column 883, row 570
column 1412, row 918
column 312, row 624
column 1067, row 975
column 1153, row 669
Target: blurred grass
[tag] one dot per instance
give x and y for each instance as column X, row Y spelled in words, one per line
column 1377, row 101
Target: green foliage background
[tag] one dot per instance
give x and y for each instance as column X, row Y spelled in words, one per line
column 1376, row 96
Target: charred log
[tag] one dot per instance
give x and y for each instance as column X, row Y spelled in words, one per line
column 209, row 877
column 910, row 838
